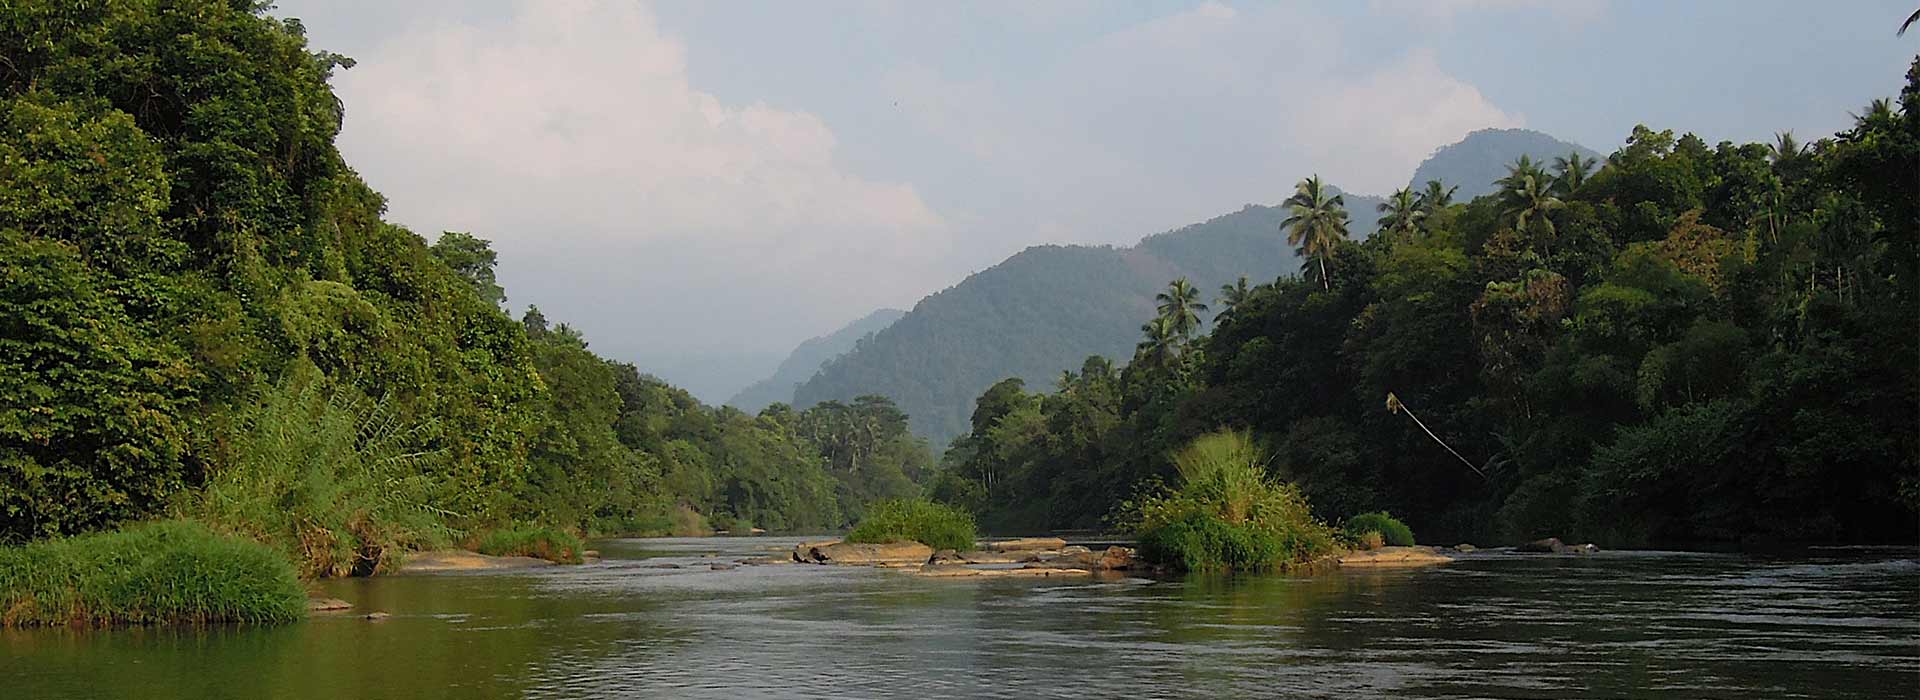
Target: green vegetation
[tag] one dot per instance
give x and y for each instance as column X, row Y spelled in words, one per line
column 206, row 317
column 1229, row 513
column 547, row 543
column 161, row 572
column 806, row 360
column 1388, row 528
column 1680, row 343
column 935, row 525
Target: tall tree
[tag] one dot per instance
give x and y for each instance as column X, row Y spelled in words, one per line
column 1571, row 171
column 1317, row 224
column 1401, row 213
column 1232, row 295
column 1526, row 196
column 474, row 259
column 1162, row 344
column 1181, row 306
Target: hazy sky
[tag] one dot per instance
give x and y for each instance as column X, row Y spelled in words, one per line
column 701, row 185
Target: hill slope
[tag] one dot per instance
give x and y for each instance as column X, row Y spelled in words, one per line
column 1483, row 156
column 806, row 359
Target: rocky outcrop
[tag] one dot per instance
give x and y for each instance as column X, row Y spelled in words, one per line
column 1393, row 557
column 462, row 560
column 863, row 554
column 1117, row 558
column 1025, row 544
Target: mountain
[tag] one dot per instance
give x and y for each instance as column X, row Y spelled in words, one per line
column 1483, row 156
column 1046, row 309
column 806, row 359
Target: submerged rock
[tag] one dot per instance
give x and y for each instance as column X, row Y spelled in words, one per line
column 1553, row 545
column 327, row 604
column 1465, row 548
column 462, row 560
column 376, row 616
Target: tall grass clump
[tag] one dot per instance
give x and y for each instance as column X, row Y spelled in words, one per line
column 151, row 573
column 935, row 525
column 1227, row 514
column 547, row 543
column 1391, row 530
column 337, row 481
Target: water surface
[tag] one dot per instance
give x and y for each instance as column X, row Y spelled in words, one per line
column 655, row 621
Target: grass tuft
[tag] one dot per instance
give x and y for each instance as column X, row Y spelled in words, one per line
column 1389, row 528
column 935, row 525
column 150, row 573
column 1228, row 513
column 547, row 543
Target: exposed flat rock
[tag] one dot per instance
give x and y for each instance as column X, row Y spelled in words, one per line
column 938, row 571
column 1393, row 557
column 1025, row 544
column 462, row 560
column 863, row 554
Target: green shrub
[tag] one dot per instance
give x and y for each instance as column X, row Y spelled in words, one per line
column 334, row 480
column 544, row 542
column 935, row 525
column 1228, row 514
column 163, row 572
column 1391, row 530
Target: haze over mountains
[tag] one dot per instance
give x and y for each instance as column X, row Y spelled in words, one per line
column 1048, row 307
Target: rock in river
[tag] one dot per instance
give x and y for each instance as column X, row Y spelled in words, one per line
column 863, row 554
column 1025, row 544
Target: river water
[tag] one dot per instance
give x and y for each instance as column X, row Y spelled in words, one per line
column 1821, row 624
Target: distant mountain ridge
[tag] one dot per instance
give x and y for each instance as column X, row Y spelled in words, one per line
column 1475, row 162
column 806, row 359
column 1047, row 308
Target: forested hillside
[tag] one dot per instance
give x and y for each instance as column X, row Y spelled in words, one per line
column 203, row 314
column 1685, row 343
column 1046, row 308
column 806, row 359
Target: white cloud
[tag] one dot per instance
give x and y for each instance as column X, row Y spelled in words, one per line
column 571, row 136
column 1368, row 134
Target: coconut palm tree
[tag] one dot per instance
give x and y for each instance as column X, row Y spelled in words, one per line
column 1233, row 295
column 1434, row 197
column 1526, row 197
column 1785, row 149
column 1181, row 306
column 1401, row 213
column 1571, row 172
column 1317, row 225
column 1915, row 17
column 1162, row 345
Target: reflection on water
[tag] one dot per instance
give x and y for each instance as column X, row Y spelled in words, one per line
column 655, row 621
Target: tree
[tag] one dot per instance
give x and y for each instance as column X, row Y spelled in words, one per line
column 1232, row 295
column 1526, row 197
column 1162, row 344
column 1181, row 306
column 1571, row 171
column 1317, row 223
column 1401, row 213
column 474, row 259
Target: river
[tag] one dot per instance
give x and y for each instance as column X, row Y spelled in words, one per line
column 1824, row 623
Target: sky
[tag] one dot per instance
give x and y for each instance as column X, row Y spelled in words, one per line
column 699, row 186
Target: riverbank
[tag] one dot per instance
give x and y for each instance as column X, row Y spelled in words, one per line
column 160, row 572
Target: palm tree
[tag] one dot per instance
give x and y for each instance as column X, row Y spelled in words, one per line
column 1785, row 148
column 1572, row 172
column 1162, row 344
column 1401, row 213
column 1435, row 197
column 1526, row 196
column 1317, row 225
column 1233, row 295
column 1181, row 306
column 1915, row 17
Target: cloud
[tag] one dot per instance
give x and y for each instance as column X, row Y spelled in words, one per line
column 570, row 135
column 1368, row 134
column 1572, row 11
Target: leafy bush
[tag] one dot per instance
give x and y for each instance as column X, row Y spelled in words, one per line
column 1391, row 530
column 1228, row 514
column 935, row 525
column 164, row 572
column 547, row 543
column 333, row 480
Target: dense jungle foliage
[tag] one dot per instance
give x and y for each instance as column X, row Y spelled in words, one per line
column 202, row 313
column 1681, row 343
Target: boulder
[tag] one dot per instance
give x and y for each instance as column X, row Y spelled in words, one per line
column 1026, row 544
column 1464, row 548
column 946, row 557
column 1115, row 558
column 1082, row 559
column 721, row 566
column 863, row 554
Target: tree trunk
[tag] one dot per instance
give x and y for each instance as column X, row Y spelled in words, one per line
column 1324, row 284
